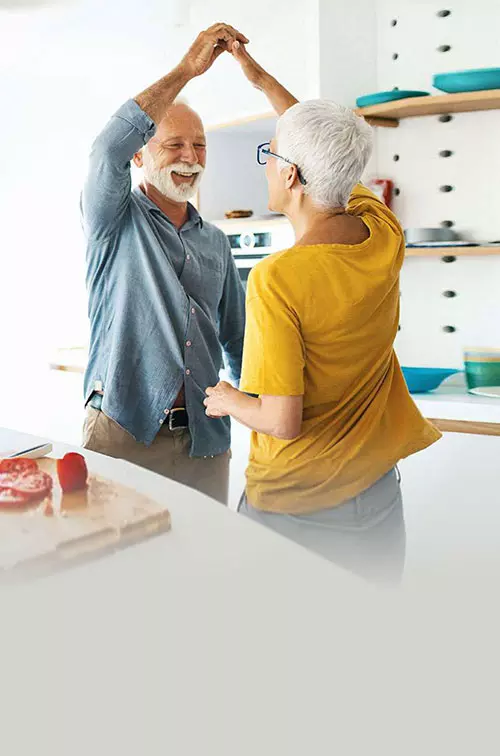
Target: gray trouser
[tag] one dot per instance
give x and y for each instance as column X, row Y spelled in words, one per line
column 365, row 535
column 168, row 454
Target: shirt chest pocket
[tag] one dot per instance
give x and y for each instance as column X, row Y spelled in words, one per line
column 204, row 275
column 211, row 260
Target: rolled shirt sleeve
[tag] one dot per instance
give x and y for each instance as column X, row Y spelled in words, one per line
column 106, row 192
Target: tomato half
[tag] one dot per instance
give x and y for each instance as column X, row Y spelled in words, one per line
column 72, row 472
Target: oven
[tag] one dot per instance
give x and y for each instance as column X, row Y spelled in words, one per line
column 253, row 239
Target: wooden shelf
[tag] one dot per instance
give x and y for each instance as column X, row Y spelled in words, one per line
column 453, row 251
column 466, row 426
column 389, row 113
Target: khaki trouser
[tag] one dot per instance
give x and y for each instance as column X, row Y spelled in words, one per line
column 168, row 455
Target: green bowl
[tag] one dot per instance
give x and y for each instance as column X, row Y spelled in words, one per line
column 482, row 367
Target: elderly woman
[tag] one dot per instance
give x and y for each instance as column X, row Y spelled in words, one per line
column 333, row 415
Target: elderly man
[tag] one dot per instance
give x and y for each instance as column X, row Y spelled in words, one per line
column 165, row 298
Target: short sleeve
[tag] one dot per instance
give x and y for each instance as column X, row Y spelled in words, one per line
column 364, row 202
column 273, row 354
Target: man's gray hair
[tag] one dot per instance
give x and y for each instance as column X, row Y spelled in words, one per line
column 330, row 144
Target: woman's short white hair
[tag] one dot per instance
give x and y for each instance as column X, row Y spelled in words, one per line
column 330, row 145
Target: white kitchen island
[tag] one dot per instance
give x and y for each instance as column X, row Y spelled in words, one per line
column 222, row 638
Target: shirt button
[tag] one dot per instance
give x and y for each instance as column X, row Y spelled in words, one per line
column 188, row 343
column 167, row 411
column 188, row 372
column 193, row 311
column 188, row 257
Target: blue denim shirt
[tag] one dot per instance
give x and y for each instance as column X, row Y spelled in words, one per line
column 163, row 303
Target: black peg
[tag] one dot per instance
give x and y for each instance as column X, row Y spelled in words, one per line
column 444, row 48
column 445, row 118
column 445, row 153
column 397, row 192
column 449, row 294
column 443, row 13
column 394, row 22
column 395, row 56
column 449, row 329
column 449, row 258
column 447, row 223
column 395, row 158
column 446, row 188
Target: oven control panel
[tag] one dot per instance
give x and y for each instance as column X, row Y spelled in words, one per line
column 250, row 240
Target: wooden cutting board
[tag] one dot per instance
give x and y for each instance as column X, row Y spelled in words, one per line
column 73, row 527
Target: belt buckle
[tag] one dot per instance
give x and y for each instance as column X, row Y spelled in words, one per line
column 170, row 416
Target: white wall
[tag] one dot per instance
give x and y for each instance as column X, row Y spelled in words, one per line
column 347, row 49
column 283, row 38
column 472, row 30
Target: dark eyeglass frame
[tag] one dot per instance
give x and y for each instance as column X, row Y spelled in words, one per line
column 263, row 149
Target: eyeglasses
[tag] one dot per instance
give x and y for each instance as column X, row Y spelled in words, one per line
column 263, row 152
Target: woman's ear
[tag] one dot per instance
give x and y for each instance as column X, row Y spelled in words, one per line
column 291, row 176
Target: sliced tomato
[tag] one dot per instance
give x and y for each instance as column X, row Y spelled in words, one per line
column 72, row 472
column 11, row 499
column 34, row 485
column 30, row 485
column 8, row 480
column 18, row 465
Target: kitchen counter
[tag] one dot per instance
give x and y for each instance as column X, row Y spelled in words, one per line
column 222, row 637
column 454, row 409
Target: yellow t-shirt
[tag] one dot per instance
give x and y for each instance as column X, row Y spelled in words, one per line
column 321, row 322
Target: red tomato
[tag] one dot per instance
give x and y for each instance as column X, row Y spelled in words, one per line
column 72, row 472
column 11, row 499
column 34, row 485
column 31, row 485
column 18, row 465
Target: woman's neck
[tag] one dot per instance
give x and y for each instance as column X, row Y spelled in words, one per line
column 311, row 222
column 334, row 226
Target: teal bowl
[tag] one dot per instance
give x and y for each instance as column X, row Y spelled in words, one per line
column 395, row 94
column 473, row 80
column 420, row 380
column 482, row 367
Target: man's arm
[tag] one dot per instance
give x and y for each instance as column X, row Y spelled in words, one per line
column 279, row 97
column 106, row 192
column 232, row 320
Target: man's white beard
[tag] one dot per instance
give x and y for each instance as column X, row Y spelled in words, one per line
column 161, row 178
